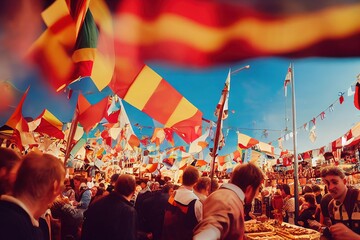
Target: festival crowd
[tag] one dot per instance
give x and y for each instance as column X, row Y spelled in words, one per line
column 39, row 203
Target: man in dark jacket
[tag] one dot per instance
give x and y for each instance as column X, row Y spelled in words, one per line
column 154, row 209
column 344, row 208
column 112, row 217
column 39, row 180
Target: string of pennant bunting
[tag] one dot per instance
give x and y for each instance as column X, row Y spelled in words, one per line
column 309, row 126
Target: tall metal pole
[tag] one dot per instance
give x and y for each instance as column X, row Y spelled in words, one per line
column 296, row 174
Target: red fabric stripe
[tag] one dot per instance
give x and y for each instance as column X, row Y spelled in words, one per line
column 169, row 136
column 93, row 115
column 235, row 50
column 47, row 128
column 134, row 141
column 211, row 12
column 83, row 69
column 163, row 102
column 78, row 8
column 357, row 96
column 236, row 154
column 252, row 142
column 124, row 76
column 61, row 24
column 17, row 116
column 221, row 160
column 189, row 129
column 48, row 65
column 169, row 161
column 82, row 104
column 178, row 52
column 113, row 117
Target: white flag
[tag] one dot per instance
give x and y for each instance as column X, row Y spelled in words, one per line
column 226, row 104
column 287, row 79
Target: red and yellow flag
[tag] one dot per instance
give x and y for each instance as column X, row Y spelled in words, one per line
column 244, row 141
column 72, row 46
column 90, row 114
column 210, row 32
column 16, row 120
column 47, row 123
column 150, row 93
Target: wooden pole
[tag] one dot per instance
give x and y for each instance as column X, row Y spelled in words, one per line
column 72, row 132
column 219, row 124
column 217, row 134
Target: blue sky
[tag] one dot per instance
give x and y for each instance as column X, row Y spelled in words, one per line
column 257, row 98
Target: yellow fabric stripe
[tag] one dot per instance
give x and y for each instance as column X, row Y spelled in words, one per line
column 280, row 35
column 104, row 63
column 79, row 21
column 84, row 54
column 102, row 16
column 184, row 110
column 102, row 70
column 243, row 139
column 59, row 10
column 48, row 116
column 142, row 88
column 54, row 12
column 55, row 54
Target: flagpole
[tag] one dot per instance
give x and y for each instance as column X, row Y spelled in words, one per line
column 218, row 125
column 72, row 132
column 217, row 134
column 296, row 174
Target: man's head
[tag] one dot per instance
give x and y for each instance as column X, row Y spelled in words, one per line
column 190, row 176
column 334, row 179
column 168, row 188
column 310, row 198
column 40, row 178
column 93, row 190
column 285, row 190
column 114, row 178
column 156, row 186
column 9, row 164
column 83, row 186
column 316, row 189
column 203, row 185
column 143, row 184
column 214, row 185
column 329, row 156
column 125, row 185
column 307, row 189
column 248, row 178
column 77, row 181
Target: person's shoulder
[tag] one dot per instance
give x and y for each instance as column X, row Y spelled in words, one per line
column 13, row 217
column 326, row 198
column 222, row 194
column 353, row 190
column 88, row 190
column 125, row 208
column 103, row 200
column 152, row 197
column 12, row 209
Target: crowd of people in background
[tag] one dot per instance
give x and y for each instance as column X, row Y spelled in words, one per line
column 39, row 202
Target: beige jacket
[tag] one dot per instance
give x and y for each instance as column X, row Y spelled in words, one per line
column 223, row 216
